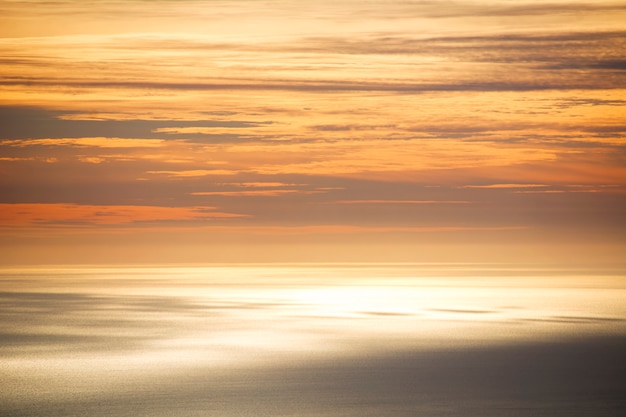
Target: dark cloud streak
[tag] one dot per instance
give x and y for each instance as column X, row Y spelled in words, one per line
column 38, row 123
column 335, row 86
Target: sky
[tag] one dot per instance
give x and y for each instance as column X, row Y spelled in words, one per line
column 198, row 131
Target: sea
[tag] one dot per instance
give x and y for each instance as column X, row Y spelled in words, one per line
column 327, row 340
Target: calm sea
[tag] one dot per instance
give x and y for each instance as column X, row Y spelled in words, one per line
column 312, row 340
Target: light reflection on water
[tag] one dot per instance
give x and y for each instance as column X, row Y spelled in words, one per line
column 74, row 339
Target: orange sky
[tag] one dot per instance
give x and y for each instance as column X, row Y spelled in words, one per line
column 231, row 131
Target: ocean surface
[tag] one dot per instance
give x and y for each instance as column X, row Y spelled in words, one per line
column 312, row 340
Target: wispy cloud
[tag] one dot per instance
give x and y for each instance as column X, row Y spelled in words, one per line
column 23, row 214
column 499, row 61
column 24, row 125
column 252, row 193
column 97, row 142
column 505, row 186
column 401, row 202
column 193, row 172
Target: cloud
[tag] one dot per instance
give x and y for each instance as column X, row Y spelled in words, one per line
column 493, row 61
column 21, row 123
column 505, row 186
column 504, row 83
column 92, row 159
column 348, row 157
column 263, row 189
column 87, row 142
column 254, row 193
column 205, row 130
column 234, row 133
column 27, row 214
column 400, row 202
column 534, row 61
column 595, row 188
column 521, row 10
column 261, row 184
column 14, row 159
column 193, row 173
column 351, row 127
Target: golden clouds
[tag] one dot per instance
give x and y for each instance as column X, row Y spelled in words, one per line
column 403, row 117
column 100, row 142
column 192, row 173
column 353, row 157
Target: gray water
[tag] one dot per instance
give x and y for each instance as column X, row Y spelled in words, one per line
column 295, row 340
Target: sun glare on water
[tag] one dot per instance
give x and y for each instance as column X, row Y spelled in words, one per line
column 241, row 313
